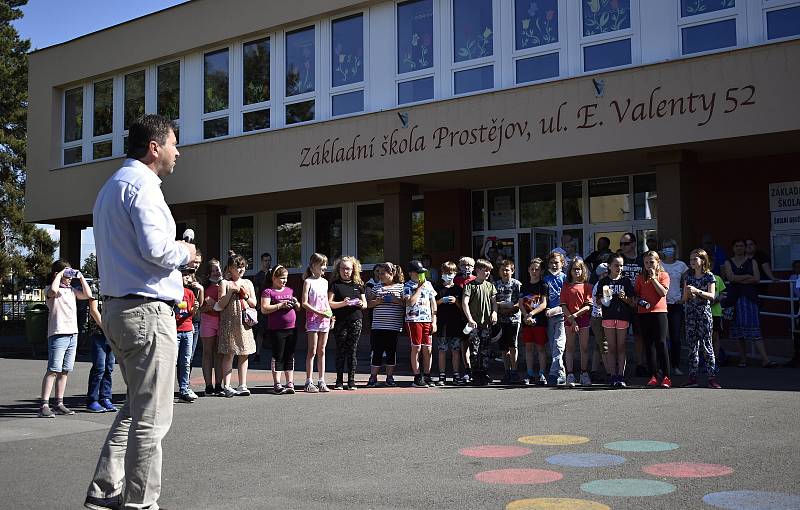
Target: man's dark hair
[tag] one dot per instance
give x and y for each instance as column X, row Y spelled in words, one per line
column 266, row 254
column 631, row 234
column 605, row 240
column 146, row 129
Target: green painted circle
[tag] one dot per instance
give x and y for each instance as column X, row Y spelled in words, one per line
column 641, row 446
column 628, row 487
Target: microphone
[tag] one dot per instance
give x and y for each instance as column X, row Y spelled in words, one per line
column 188, row 235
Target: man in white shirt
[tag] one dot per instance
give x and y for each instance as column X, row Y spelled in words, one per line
column 138, row 260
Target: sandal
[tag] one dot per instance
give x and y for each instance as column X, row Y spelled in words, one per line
column 770, row 364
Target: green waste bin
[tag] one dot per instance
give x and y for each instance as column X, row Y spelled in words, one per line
column 36, row 327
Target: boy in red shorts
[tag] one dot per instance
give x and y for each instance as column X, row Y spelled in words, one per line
column 420, row 300
column 533, row 305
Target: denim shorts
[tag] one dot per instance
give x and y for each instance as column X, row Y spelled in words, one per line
column 61, row 351
column 447, row 343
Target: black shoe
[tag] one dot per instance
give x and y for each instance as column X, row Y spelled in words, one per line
column 94, row 503
column 429, row 381
column 351, row 385
column 418, row 382
column 338, row 385
column 209, row 392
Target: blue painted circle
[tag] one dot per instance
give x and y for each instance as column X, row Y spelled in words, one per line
column 641, row 446
column 586, row 460
column 752, row 500
column 628, row 487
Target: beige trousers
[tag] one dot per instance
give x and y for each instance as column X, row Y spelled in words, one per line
column 143, row 337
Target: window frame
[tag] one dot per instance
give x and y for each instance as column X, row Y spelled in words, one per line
column 304, row 254
column 232, row 84
column 363, row 85
column 226, row 241
column 561, row 47
column 344, row 207
column 775, row 5
column 315, row 95
column 80, row 142
column 736, row 13
column 435, row 71
column 633, row 33
column 354, row 224
column 121, row 133
column 239, row 108
column 106, row 137
column 448, row 48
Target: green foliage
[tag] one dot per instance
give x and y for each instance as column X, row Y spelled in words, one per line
column 89, row 267
column 24, row 248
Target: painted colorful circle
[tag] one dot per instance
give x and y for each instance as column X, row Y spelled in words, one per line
column 553, row 440
column 752, row 500
column 518, row 476
column 556, row 504
column 628, row 487
column 641, row 446
column 585, row 460
column 495, row 451
column 687, row 470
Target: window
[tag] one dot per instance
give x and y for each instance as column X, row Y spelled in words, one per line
column 537, row 205
column 242, row 238
column 289, row 227
column 328, row 232
column 478, row 208
column 73, row 126
column 418, row 227
column 572, row 203
column 609, row 23
column 502, row 208
column 216, row 100
column 255, row 85
column 536, row 40
column 609, row 199
column 645, row 197
column 102, row 118
column 347, row 65
column 701, row 26
column 133, row 106
column 415, row 48
column 473, row 46
column 168, row 92
column 369, row 233
column 300, row 74
column 783, row 23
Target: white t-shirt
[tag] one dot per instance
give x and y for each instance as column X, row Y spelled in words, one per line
column 675, row 271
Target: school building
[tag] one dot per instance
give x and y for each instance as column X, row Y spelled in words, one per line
column 390, row 128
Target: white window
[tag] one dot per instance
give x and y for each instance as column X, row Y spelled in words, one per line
column 539, row 28
column 134, row 94
column 781, row 19
column 709, row 25
column 102, row 118
column 168, row 91
column 348, row 64
column 300, row 70
column 256, row 97
column 608, row 34
column 216, row 93
column 416, row 50
column 72, row 109
column 473, row 45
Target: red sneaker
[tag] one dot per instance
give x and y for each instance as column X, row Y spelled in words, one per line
column 666, row 382
column 712, row 383
column 653, row 381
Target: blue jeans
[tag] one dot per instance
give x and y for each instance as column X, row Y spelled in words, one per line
column 61, row 351
column 102, row 367
column 184, row 359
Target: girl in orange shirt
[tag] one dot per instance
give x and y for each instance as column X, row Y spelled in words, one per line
column 576, row 301
column 651, row 289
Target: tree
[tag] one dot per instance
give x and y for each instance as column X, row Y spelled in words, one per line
column 89, row 267
column 25, row 249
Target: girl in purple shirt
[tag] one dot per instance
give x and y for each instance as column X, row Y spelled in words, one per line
column 280, row 306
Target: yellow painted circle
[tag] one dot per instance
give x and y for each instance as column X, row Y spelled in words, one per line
column 555, row 504
column 554, row 440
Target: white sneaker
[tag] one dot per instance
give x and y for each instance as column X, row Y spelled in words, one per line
column 191, row 394
column 242, row 390
column 228, row 392
column 571, row 380
column 585, row 379
column 310, row 388
column 323, row 388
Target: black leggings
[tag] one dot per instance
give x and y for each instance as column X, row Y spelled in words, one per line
column 284, row 342
column 675, row 319
column 654, row 335
column 383, row 341
column 347, row 334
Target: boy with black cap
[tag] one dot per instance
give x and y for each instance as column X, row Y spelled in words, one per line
column 420, row 300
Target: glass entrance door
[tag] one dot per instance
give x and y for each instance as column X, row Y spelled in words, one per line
column 543, row 241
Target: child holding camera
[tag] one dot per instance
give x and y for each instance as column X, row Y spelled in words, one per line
column 615, row 293
column 420, row 300
column 480, row 308
column 62, row 334
column 386, row 301
column 279, row 306
column 449, row 322
column 347, row 299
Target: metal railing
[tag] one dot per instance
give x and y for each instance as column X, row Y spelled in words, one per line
column 792, row 298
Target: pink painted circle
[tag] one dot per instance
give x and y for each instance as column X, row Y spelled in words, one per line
column 687, row 470
column 495, row 451
column 519, row 476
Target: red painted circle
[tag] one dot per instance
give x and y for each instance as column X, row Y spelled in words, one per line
column 519, row 476
column 495, row 451
column 687, row 470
